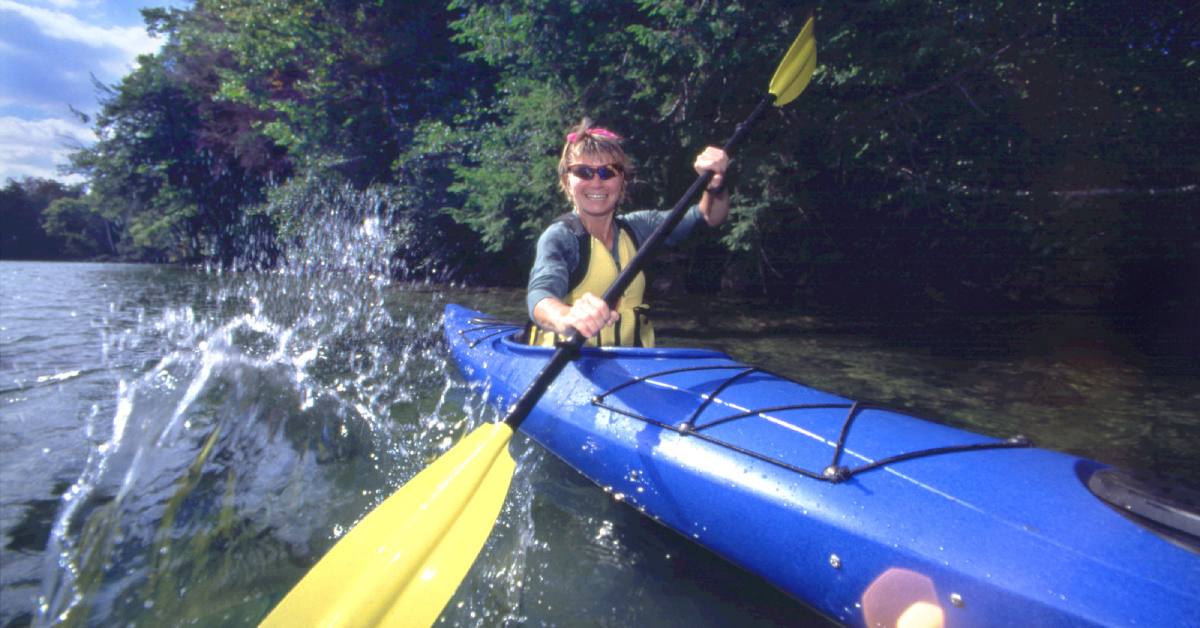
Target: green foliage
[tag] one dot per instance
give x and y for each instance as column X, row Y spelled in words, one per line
column 666, row 75
column 22, row 204
column 347, row 81
column 174, row 168
column 84, row 231
column 973, row 122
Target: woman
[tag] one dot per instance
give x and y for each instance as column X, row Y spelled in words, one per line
column 581, row 253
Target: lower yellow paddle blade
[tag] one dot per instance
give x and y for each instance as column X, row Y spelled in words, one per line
column 796, row 69
column 400, row 565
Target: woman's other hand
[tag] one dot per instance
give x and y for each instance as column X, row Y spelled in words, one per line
column 716, row 161
column 588, row 315
column 714, row 204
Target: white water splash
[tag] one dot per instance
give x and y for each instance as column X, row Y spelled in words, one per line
column 285, row 404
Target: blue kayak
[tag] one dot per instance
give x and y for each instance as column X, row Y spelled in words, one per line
column 856, row 510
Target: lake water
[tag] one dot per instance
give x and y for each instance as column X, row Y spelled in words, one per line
column 179, row 445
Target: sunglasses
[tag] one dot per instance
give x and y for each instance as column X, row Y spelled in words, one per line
column 587, row 172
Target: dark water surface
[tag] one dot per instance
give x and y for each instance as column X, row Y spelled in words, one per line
column 179, row 446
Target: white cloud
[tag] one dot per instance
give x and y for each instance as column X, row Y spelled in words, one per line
column 130, row 40
column 50, row 50
column 35, row 148
column 62, row 4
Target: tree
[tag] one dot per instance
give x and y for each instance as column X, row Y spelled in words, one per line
column 342, row 83
column 180, row 166
column 82, row 229
column 961, row 134
column 21, row 205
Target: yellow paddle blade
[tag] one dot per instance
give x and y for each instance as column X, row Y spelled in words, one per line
column 796, row 69
column 400, row 565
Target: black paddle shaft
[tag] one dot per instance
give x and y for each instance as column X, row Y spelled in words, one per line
column 570, row 347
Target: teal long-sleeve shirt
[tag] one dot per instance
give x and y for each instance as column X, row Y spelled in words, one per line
column 558, row 251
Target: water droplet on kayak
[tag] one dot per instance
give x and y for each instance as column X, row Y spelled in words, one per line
column 619, row 496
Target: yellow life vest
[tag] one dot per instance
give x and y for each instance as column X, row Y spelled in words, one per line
column 634, row 328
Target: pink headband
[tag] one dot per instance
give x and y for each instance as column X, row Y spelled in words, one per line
column 596, row 131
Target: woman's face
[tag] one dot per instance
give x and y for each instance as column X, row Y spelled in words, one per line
column 595, row 196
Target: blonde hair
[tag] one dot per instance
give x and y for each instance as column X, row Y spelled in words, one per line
column 588, row 139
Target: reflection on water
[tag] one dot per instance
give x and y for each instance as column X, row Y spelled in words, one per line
column 1070, row 382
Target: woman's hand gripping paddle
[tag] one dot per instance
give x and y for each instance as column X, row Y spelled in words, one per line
column 401, row 564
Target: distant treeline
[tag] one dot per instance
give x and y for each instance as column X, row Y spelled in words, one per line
column 957, row 153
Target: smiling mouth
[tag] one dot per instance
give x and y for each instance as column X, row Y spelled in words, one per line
column 596, row 197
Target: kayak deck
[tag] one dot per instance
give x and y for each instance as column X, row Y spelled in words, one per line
column 708, row 428
column 824, row 496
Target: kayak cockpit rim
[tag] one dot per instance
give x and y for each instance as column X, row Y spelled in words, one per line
column 1172, row 512
column 483, row 329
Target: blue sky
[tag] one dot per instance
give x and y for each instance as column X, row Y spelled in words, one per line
column 49, row 52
